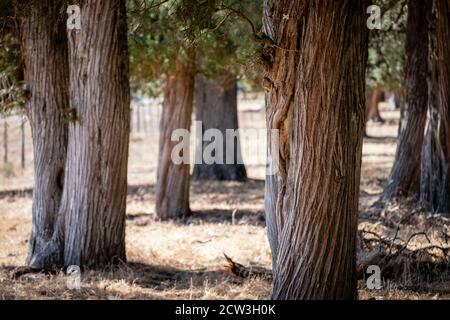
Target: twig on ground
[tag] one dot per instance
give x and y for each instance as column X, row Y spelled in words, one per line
column 240, row 271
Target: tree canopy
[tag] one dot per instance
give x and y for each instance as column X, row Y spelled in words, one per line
column 386, row 47
column 220, row 32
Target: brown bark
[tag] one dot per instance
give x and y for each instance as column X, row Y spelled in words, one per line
column 373, row 99
column 172, row 186
column 216, row 108
column 400, row 96
column 316, row 99
column 44, row 52
column 90, row 227
column 435, row 179
column 405, row 174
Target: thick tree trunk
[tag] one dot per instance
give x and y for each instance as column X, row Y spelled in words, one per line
column 94, row 199
column 435, row 179
column 405, row 174
column 216, row 108
column 316, row 99
column 172, row 186
column 44, row 52
column 90, row 227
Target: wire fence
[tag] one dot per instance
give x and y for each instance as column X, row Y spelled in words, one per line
column 16, row 144
column 16, row 147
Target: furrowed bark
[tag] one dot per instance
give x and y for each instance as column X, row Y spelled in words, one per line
column 216, row 108
column 94, row 199
column 44, row 52
column 435, row 180
column 172, row 186
column 404, row 180
column 316, row 99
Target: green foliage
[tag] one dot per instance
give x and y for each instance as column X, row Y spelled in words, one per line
column 11, row 73
column 11, row 69
column 386, row 48
column 163, row 32
column 7, row 170
column 229, row 47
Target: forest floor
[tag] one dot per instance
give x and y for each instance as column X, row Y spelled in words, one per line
column 185, row 259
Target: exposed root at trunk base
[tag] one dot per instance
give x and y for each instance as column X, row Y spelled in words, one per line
column 21, row 271
column 240, row 271
column 49, row 258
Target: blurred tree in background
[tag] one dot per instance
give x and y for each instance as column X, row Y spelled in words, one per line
column 160, row 32
column 170, row 43
column 11, row 69
column 386, row 63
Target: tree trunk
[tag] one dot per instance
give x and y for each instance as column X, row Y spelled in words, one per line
column 405, row 174
column 90, row 228
column 373, row 99
column 44, row 52
column 216, row 108
column 435, row 179
column 94, row 201
column 172, row 186
column 316, row 99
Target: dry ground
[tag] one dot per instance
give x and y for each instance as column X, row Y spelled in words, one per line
column 184, row 259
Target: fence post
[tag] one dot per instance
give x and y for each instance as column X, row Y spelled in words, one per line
column 22, row 133
column 5, row 141
column 138, row 117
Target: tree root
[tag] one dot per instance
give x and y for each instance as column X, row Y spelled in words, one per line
column 20, row 271
column 24, row 270
column 238, row 270
column 47, row 259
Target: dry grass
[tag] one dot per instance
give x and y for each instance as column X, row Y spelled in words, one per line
column 184, row 259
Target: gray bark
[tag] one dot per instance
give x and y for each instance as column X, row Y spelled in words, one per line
column 405, row 174
column 95, row 190
column 216, row 108
column 44, row 52
column 90, row 226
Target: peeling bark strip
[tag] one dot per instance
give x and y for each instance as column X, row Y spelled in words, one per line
column 172, row 186
column 216, row 108
column 435, row 178
column 405, row 174
column 316, row 100
column 94, row 199
column 44, row 52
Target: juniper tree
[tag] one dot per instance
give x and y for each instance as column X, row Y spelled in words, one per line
column 315, row 86
column 180, row 39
